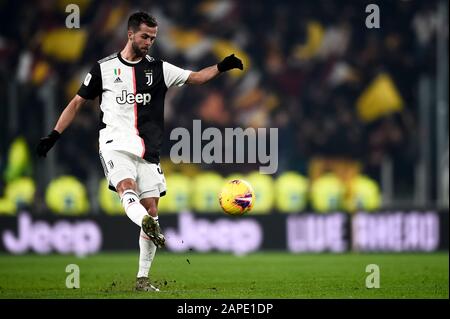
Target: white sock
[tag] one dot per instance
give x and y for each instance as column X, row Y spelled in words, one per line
column 135, row 211
column 147, row 252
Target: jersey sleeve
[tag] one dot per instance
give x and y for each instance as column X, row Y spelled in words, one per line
column 174, row 75
column 92, row 84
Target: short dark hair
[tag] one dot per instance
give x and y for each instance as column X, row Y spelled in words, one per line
column 137, row 18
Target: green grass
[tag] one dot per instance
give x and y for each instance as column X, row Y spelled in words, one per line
column 260, row 275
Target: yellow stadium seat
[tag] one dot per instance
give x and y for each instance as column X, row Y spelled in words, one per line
column 66, row 195
column 327, row 193
column 7, row 207
column 263, row 185
column 21, row 192
column 178, row 194
column 291, row 192
column 363, row 194
column 206, row 189
column 109, row 200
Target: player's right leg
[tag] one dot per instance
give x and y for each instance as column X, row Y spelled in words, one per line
column 127, row 190
column 150, row 224
column 120, row 171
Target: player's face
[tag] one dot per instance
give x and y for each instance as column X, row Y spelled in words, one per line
column 142, row 40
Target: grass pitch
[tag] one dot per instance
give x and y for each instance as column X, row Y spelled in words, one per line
column 214, row 275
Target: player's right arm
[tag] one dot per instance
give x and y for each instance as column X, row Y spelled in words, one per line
column 66, row 117
column 90, row 89
column 69, row 113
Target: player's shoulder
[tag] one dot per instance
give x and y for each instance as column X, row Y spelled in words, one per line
column 108, row 58
column 150, row 59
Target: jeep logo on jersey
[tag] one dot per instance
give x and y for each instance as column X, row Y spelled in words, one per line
column 130, row 98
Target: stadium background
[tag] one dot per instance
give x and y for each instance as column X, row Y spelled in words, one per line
column 362, row 116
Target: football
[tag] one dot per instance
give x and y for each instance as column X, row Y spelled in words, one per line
column 237, row 197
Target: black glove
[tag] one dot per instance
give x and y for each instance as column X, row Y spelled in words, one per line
column 230, row 62
column 46, row 143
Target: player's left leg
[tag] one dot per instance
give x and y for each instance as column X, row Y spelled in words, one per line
column 147, row 248
column 147, row 245
column 152, row 185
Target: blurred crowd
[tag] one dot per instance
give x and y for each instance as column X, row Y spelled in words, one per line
column 311, row 70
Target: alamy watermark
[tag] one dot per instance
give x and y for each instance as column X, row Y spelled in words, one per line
column 73, row 279
column 73, row 19
column 373, row 19
column 262, row 146
column 373, row 280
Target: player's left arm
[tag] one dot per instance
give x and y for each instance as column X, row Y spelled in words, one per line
column 209, row 73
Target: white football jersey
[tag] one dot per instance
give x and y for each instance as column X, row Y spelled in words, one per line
column 132, row 102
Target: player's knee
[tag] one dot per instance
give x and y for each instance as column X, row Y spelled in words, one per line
column 128, row 183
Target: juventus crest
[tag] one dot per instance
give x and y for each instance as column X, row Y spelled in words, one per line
column 149, row 76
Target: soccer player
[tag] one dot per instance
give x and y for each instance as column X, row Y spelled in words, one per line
column 132, row 85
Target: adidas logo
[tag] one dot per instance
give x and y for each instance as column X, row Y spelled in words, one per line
column 117, row 80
